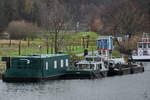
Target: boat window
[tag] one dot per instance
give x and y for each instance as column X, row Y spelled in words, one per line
column 91, row 66
column 105, row 43
column 79, row 66
column 86, row 66
column 140, row 45
column 99, row 66
column 95, row 67
column 145, row 45
column 83, row 66
column 145, row 53
column 62, row 63
column 104, row 53
column 46, row 65
column 97, row 59
column 89, row 59
column 99, row 52
column 55, row 64
column 148, row 45
column 67, row 63
column 105, row 64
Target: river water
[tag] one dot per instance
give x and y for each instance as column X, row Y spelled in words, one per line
column 127, row 87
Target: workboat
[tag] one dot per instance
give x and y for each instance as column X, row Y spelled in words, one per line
column 91, row 67
column 35, row 67
column 125, row 68
column 143, row 50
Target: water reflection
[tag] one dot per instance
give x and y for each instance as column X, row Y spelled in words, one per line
column 128, row 87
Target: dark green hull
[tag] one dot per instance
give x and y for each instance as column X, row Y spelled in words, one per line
column 35, row 79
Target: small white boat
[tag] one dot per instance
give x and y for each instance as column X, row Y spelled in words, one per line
column 95, row 63
column 91, row 67
column 143, row 50
column 98, row 61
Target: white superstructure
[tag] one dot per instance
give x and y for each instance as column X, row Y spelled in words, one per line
column 143, row 49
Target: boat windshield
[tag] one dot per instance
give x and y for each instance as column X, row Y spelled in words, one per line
column 89, row 59
column 97, row 59
column 144, row 45
column 86, row 66
column 148, row 45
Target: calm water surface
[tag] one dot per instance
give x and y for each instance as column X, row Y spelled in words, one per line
column 128, row 87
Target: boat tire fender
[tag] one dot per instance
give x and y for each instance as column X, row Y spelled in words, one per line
column 131, row 70
column 143, row 69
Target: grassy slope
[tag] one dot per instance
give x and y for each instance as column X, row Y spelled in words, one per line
column 5, row 50
column 116, row 54
column 92, row 35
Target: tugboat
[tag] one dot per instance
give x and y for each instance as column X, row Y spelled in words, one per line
column 117, row 66
column 90, row 68
column 143, row 50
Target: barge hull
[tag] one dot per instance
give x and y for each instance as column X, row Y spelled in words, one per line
column 141, row 58
column 125, row 71
column 15, row 79
column 84, row 76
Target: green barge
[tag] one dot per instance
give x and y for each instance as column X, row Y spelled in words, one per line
column 35, row 67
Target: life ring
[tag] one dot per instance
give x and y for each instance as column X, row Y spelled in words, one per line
column 140, row 52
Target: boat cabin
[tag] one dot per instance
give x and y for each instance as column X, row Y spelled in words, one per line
column 94, row 58
column 34, row 67
column 105, row 46
column 143, row 46
column 93, row 63
column 89, row 66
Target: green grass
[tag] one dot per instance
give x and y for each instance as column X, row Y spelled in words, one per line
column 78, row 35
column 71, row 38
column 116, row 53
column 81, row 50
column 13, row 50
column 92, row 35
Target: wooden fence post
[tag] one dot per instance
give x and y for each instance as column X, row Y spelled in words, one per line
column 19, row 48
column 47, row 45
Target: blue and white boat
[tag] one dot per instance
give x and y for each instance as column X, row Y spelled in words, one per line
column 143, row 50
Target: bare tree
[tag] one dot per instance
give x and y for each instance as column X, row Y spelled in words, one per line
column 21, row 30
column 55, row 19
column 124, row 19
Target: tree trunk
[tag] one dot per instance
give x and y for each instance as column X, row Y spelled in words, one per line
column 83, row 43
column 10, row 43
column 52, row 46
column 28, row 42
column 47, row 46
column 87, row 45
column 56, row 49
column 117, row 42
